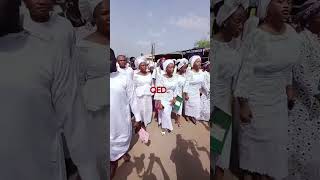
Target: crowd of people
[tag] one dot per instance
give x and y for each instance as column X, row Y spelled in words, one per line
column 265, row 78
column 134, row 89
column 53, row 87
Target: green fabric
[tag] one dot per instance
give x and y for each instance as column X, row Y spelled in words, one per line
column 221, row 123
column 177, row 105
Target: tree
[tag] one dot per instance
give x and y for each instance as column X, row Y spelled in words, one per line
column 203, row 43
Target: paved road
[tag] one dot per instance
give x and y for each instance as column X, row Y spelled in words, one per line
column 181, row 155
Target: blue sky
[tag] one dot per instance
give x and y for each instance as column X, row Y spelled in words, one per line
column 172, row 24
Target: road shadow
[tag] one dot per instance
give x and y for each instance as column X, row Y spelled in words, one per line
column 188, row 166
column 137, row 163
column 126, row 168
column 149, row 175
column 206, row 125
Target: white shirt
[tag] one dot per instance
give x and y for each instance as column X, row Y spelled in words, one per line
column 128, row 71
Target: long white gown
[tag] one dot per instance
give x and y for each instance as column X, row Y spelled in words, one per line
column 226, row 65
column 265, row 73
column 196, row 81
column 142, row 85
column 40, row 99
column 121, row 99
column 171, row 84
column 182, row 87
column 304, row 118
column 93, row 79
column 57, row 30
column 205, row 99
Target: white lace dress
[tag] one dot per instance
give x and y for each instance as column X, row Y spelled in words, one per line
column 304, row 122
column 205, row 99
column 265, row 72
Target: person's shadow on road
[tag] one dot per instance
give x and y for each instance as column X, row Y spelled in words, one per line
column 188, row 166
column 126, row 168
column 149, row 175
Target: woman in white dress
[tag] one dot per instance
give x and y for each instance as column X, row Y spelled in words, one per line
column 121, row 98
column 92, row 55
column 182, row 65
column 142, row 81
column 205, row 98
column 165, row 101
column 196, row 81
column 305, row 116
column 265, row 78
column 230, row 19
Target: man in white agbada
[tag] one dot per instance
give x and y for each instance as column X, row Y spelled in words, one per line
column 230, row 19
column 121, row 99
column 142, row 81
column 40, row 100
column 196, row 81
column 165, row 101
column 123, row 68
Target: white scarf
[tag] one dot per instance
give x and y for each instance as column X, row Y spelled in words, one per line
column 166, row 63
column 138, row 61
column 193, row 59
column 181, row 63
column 228, row 8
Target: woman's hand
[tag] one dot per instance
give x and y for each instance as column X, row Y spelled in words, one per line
column 158, row 105
column 245, row 111
column 186, row 97
column 137, row 126
column 291, row 94
column 173, row 101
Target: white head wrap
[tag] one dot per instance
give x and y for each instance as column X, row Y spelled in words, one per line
column 181, row 63
column 262, row 10
column 138, row 61
column 166, row 63
column 193, row 59
column 228, row 8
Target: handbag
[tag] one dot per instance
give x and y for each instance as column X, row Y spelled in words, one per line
column 143, row 136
